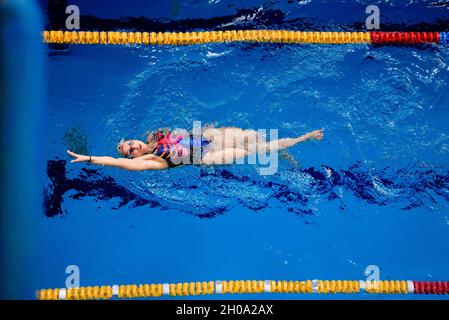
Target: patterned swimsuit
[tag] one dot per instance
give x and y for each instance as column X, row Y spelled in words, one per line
column 179, row 150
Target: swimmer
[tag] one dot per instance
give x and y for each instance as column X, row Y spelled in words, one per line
column 165, row 149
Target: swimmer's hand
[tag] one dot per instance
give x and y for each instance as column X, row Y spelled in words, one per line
column 78, row 157
column 316, row 134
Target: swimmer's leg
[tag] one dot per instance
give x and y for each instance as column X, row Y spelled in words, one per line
column 289, row 142
column 226, row 155
column 280, row 144
column 286, row 155
column 230, row 155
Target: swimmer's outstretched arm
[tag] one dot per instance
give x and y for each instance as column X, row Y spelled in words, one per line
column 137, row 164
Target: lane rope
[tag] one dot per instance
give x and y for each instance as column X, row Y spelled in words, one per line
column 272, row 36
column 245, row 287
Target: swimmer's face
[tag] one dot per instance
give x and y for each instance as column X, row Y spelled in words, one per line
column 133, row 148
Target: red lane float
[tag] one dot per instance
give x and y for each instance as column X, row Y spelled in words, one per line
column 404, row 37
column 426, row 287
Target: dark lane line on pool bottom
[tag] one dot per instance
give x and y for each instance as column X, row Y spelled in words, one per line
column 416, row 186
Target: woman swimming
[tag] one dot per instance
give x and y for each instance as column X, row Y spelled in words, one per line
column 214, row 146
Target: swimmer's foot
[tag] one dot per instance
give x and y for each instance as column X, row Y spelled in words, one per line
column 284, row 154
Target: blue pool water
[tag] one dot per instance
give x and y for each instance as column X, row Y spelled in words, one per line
column 375, row 191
